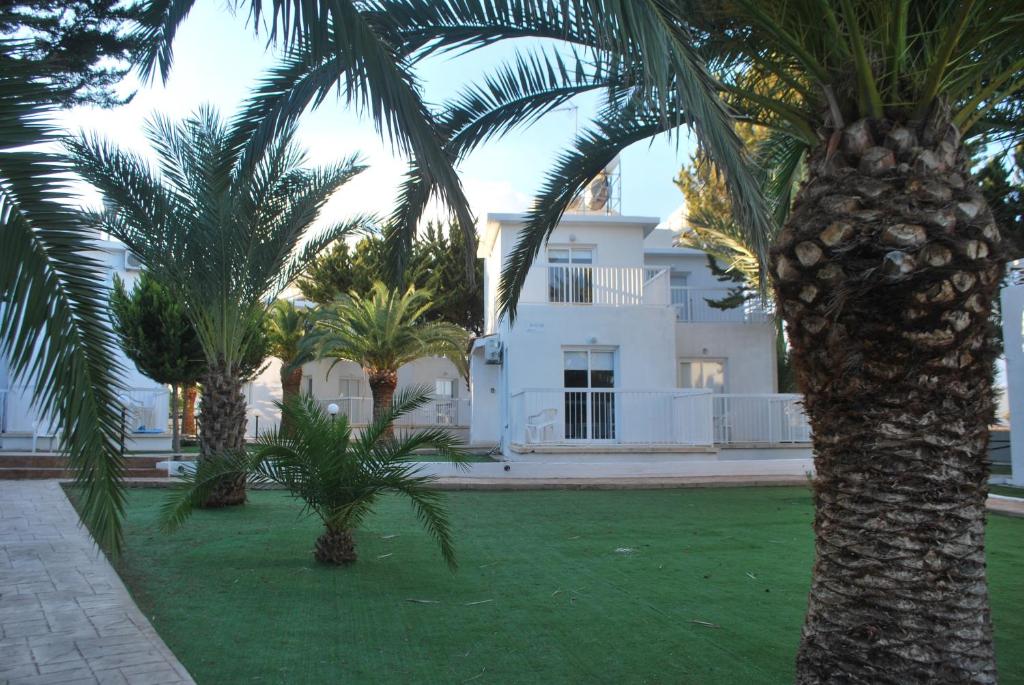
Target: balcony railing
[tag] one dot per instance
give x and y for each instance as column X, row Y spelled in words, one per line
column 438, row 412
column 146, row 410
column 578, row 416
column 692, row 306
column 603, row 416
column 760, row 419
column 584, row 284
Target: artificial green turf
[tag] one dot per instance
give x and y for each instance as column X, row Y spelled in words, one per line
column 554, row 587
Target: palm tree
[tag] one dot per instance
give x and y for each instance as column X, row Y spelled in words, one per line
column 383, row 331
column 285, row 327
column 884, row 272
column 339, row 476
column 53, row 331
column 223, row 227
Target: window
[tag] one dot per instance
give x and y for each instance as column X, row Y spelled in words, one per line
column 702, row 373
column 444, row 387
column 350, row 387
column 589, row 410
column 570, row 278
column 307, row 385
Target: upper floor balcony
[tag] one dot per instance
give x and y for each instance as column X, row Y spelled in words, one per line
column 619, row 286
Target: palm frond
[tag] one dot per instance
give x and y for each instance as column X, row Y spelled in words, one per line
column 53, row 330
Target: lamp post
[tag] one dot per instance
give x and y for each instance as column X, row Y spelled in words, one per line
column 332, row 409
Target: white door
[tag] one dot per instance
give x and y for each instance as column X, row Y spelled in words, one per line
column 588, row 379
column 570, row 278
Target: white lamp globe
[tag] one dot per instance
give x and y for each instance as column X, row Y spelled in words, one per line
column 332, row 409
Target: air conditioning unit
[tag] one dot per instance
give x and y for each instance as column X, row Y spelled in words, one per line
column 131, row 262
column 492, row 351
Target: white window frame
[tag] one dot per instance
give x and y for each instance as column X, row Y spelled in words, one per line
column 589, row 390
column 702, row 360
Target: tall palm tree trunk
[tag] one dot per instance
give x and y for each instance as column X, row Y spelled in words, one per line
column 291, row 384
column 222, row 428
column 188, row 420
column 886, row 273
column 382, row 388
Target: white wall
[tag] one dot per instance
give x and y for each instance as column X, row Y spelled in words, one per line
column 748, row 350
column 1013, row 344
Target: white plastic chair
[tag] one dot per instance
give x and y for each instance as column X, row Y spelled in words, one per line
column 38, row 431
column 538, row 424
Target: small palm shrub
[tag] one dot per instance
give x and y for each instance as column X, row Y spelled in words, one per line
column 338, row 474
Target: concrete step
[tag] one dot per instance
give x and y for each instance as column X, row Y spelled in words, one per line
column 55, row 461
column 40, row 466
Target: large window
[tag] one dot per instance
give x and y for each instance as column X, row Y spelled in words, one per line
column 569, row 275
column 350, row 387
column 702, row 373
column 589, row 408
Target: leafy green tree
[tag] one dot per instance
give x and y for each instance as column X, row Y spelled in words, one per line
column 223, row 227
column 285, row 327
column 340, row 477
column 158, row 337
column 885, row 269
column 383, row 331
column 81, row 49
column 437, row 263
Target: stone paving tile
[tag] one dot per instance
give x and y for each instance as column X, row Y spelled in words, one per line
column 65, row 616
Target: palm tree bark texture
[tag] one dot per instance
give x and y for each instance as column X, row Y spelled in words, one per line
column 337, row 547
column 291, row 385
column 222, row 429
column 886, row 272
column 382, row 386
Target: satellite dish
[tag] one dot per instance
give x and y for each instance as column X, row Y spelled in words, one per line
column 601, row 194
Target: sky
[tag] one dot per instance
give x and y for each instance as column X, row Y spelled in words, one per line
column 218, row 59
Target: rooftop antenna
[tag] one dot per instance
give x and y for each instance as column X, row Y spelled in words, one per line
column 603, row 195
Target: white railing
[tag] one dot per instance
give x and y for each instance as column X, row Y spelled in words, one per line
column 760, row 419
column 583, row 284
column 576, row 416
column 439, row 411
column 146, row 410
column 692, row 306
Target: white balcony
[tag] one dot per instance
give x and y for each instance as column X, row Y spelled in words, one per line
column 692, row 305
column 564, row 417
column 587, row 285
column 438, row 412
column 611, row 416
column 760, row 420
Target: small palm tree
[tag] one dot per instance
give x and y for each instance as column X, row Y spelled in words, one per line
column 285, row 327
column 224, row 226
column 339, row 476
column 383, row 331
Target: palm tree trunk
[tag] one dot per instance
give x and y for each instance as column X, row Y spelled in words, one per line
column 188, row 420
column 382, row 387
column 291, row 383
column 336, row 547
column 222, row 429
column 175, row 406
column 885, row 274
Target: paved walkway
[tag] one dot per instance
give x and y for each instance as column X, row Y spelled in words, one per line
column 65, row 615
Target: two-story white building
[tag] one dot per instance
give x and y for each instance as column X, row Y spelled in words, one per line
column 617, row 354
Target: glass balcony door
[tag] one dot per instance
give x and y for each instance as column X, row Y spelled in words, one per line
column 570, row 278
column 589, row 379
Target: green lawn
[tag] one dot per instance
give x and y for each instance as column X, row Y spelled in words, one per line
column 554, row 587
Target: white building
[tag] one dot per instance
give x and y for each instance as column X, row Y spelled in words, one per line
column 145, row 402
column 617, row 355
column 1012, row 301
